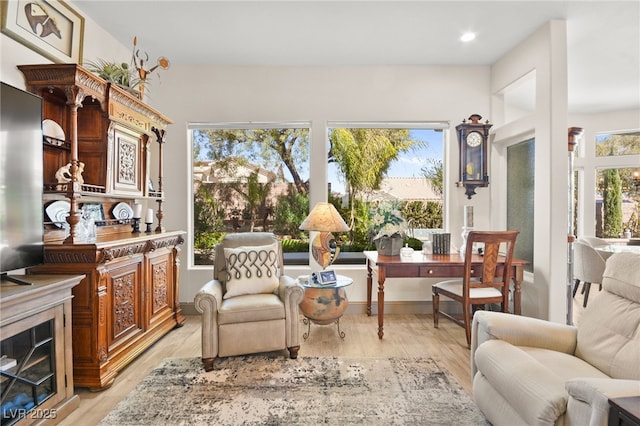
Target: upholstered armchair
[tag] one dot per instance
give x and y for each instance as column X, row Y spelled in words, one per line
column 527, row 371
column 250, row 306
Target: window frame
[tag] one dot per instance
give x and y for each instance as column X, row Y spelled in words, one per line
column 290, row 258
column 587, row 164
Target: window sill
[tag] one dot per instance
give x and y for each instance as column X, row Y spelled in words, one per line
column 345, row 258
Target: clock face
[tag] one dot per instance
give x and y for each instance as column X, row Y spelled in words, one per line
column 474, row 139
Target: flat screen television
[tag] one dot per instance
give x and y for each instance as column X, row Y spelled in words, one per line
column 21, row 212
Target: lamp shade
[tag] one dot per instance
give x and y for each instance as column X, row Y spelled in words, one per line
column 324, row 218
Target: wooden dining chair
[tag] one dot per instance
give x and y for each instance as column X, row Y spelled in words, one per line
column 490, row 284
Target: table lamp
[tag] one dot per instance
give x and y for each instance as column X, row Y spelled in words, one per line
column 325, row 219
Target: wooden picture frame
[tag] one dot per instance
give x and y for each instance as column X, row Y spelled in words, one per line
column 49, row 27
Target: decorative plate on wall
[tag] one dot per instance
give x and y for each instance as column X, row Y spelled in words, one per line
column 122, row 211
column 52, row 132
column 58, row 212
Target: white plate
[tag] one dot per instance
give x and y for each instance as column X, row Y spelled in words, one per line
column 58, row 212
column 52, row 129
column 122, row 211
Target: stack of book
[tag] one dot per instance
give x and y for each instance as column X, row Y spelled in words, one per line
column 441, row 243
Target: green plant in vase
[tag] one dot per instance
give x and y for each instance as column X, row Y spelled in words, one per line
column 119, row 74
column 132, row 77
column 388, row 228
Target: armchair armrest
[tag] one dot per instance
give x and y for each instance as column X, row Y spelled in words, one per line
column 520, row 331
column 207, row 302
column 589, row 398
column 291, row 293
column 290, row 288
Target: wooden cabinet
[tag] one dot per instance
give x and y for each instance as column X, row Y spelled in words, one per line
column 108, row 146
column 35, row 374
column 128, row 300
column 113, row 147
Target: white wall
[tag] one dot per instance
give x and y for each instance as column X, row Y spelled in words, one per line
column 545, row 53
column 316, row 94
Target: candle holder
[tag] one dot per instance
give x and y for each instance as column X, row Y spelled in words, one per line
column 135, row 225
column 148, row 230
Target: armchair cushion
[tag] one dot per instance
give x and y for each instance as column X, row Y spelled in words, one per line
column 251, row 270
column 251, row 308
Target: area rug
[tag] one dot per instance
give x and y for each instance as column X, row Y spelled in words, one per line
column 276, row 390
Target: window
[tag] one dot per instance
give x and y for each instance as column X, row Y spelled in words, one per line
column 255, row 176
column 249, row 177
column 608, row 144
column 370, row 163
column 617, row 202
column 617, row 184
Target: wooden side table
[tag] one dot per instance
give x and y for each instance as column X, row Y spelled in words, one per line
column 624, row 411
column 324, row 304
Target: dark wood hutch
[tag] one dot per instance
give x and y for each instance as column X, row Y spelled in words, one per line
column 129, row 298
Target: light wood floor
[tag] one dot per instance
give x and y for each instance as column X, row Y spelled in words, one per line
column 405, row 336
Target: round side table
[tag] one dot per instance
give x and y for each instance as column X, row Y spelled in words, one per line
column 324, row 304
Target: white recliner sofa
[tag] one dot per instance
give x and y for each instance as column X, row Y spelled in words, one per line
column 528, row 371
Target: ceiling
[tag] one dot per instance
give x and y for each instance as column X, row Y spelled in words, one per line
column 603, row 36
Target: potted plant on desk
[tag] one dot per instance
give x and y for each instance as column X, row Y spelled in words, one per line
column 388, row 228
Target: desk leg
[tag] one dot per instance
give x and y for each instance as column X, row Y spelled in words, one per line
column 369, row 286
column 382, row 275
column 518, row 277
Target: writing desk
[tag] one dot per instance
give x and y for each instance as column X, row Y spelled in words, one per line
column 421, row 265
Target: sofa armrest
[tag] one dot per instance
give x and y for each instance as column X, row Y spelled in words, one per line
column 520, row 331
column 589, row 398
column 207, row 302
column 291, row 293
column 531, row 389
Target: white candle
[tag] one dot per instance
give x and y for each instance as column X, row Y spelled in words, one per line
column 468, row 216
column 149, row 217
column 137, row 210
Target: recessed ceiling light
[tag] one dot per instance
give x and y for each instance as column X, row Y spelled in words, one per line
column 467, row 37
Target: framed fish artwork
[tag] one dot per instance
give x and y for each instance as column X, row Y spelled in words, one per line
column 49, row 27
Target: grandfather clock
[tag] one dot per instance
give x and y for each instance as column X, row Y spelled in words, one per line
column 472, row 137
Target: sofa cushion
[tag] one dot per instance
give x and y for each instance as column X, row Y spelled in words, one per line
column 251, row 308
column 251, row 270
column 562, row 365
column 609, row 329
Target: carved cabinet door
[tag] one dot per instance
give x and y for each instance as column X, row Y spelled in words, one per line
column 125, row 299
column 160, row 270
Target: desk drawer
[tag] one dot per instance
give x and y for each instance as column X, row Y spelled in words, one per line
column 402, row 271
column 442, row 271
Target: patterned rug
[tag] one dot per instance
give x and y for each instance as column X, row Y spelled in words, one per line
column 276, row 390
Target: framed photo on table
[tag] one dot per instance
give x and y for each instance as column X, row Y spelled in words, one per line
column 49, row 27
column 326, row 277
